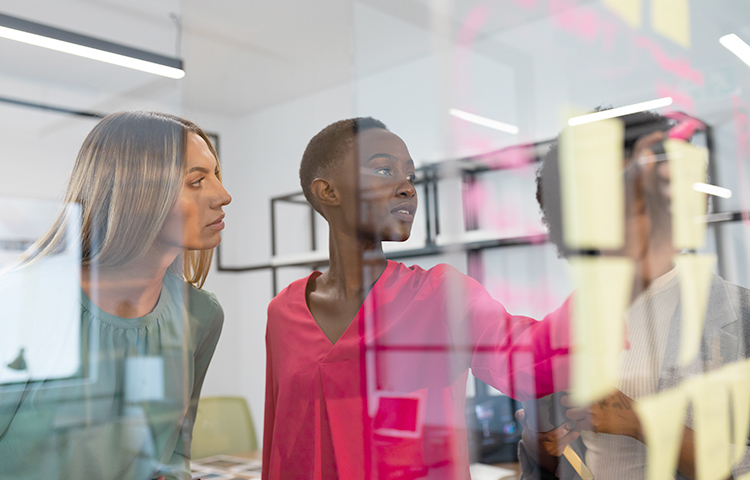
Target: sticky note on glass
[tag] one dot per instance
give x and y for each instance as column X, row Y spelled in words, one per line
column 671, row 18
column 662, row 419
column 591, row 185
column 710, row 398
column 695, row 273
column 598, row 327
column 630, row 11
column 687, row 166
column 737, row 377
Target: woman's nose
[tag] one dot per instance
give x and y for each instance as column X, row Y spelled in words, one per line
column 222, row 196
column 406, row 188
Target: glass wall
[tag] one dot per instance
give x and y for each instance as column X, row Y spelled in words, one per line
column 525, row 249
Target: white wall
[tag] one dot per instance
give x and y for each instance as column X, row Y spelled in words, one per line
column 260, row 159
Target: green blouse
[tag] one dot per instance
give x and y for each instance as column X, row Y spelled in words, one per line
column 129, row 412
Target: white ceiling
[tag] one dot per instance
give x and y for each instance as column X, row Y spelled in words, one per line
column 243, row 55
column 240, row 55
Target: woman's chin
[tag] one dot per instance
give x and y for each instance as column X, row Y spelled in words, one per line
column 202, row 245
column 397, row 236
column 390, row 233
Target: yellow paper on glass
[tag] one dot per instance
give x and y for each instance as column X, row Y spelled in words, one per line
column 591, row 185
column 695, row 272
column 630, row 11
column 710, row 398
column 662, row 419
column 687, row 166
column 671, row 18
column 737, row 377
column 598, row 324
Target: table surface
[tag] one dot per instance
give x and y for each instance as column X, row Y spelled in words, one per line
column 256, row 455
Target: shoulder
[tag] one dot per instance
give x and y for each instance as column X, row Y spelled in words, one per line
column 419, row 274
column 443, row 275
column 728, row 294
column 737, row 298
column 290, row 291
column 441, row 278
column 204, row 309
column 288, row 298
column 738, row 295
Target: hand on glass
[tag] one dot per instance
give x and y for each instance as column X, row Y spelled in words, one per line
column 614, row 414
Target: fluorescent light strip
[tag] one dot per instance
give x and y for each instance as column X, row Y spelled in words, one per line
column 485, row 122
column 736, row 45
column 712, row 190
column 620, row 111
column 92, row 53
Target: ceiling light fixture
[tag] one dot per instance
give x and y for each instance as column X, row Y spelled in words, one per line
column 714, row 190
column 485, row 122
column 620, row 111
column 53, row 38
column 736, row 45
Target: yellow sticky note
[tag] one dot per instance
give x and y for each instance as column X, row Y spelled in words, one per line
column 598, row 326
column 630, row 11
column 710, row 398
column 591, row 185
column 695, row 272
column 687, row 166
column 662, row 419
column 737, row 377
column 671, row 18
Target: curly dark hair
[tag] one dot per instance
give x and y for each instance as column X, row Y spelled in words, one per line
column 637, row 125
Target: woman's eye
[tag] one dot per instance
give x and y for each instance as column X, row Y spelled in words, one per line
column 412, row 178
column 197, row 183
column 383, row 171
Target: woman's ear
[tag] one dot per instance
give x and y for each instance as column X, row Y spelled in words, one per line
column 325, row 193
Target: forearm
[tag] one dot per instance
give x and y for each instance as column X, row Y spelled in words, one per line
column 686, row 462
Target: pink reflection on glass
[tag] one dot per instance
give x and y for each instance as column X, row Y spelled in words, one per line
column 527, row 3
column 502, row 290
column 680, row 68
column 466, row 38
column 680, row 99
column 475, row 197
column 512, row 157
column 591, row 26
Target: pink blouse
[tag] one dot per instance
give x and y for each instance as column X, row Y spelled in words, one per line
column 387, row 399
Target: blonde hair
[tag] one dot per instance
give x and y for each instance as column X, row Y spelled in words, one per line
column 126, row 179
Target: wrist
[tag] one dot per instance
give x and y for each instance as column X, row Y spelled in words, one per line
column 637, row 432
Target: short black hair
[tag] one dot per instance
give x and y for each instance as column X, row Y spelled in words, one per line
column 548, row 195
column 327, row 148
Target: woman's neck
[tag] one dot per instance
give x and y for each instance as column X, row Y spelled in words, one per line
column 355, row 264
column 131, row 291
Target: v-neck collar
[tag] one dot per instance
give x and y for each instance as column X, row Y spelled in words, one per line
column 368, row 300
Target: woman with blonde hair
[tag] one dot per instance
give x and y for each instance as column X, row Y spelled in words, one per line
column 147, row 196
